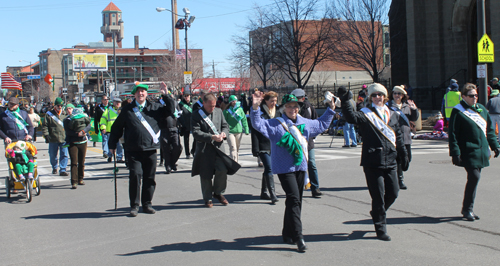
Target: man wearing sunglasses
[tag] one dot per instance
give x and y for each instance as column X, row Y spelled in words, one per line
column 54, row 134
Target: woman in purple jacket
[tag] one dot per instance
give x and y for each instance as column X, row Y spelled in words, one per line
column 289, row 135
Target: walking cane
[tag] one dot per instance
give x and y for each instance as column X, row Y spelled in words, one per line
column 115, row 171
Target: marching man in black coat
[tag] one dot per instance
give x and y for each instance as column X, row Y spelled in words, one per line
column 139, row 121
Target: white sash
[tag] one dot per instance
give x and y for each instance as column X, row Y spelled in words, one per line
column 18, row 122
column 208, row 121
column 295, row 132
column 474, row 116
column 200, row 103
column 380, row 125
column 400, row 112
column 233, row 114
column 55, row 118
column 156, row 136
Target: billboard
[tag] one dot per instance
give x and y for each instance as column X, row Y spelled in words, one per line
column 221, row 84
column 91, row 62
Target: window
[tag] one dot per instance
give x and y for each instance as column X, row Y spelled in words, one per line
column 154, row 59
column 113, row 15
column 135, row 59
column 113, row 23
column 121, row 59
column 107, row 15
column 386, row 40
column 387, row 59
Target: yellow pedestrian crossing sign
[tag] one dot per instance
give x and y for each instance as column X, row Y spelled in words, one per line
column 485, row 50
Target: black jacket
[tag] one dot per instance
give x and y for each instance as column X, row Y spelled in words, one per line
column 308, row 111
column 72, row 135
column 137, row 138
column 185, row 119
column 98, row 111
column 377, row 151
column 9, row 129
column 259, row 142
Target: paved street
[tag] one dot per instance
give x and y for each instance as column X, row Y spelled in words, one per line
column 81, row 227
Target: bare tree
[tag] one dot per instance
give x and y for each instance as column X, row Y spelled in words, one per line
column 256, row 49
column 300, row 36
column 359, row 34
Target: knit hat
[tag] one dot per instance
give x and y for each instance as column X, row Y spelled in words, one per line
column 232, row 98
column 298, row 92
column 70, row 105
column 364, row 86
column 20, row 144
column 14, row 100
column 494, row 93
column 494, row 79
column 399, row 89
column 377, row 87
column 288, row 98
column 453, row 81
column 139, row 86
column 117, row 99
column 58, row 101
column 454, row 87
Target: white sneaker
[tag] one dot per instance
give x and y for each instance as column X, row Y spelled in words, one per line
column 30, row 176
column 21, row 177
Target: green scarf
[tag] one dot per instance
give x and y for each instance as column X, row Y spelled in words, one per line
column 18, row 116
column 78, row 113
column 236, row 115
column 292, row 146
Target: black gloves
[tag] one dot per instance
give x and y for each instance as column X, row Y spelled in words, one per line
column 455, row 159
column 497, row 152
column 46, row 139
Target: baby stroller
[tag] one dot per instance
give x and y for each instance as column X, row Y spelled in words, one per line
column 13, row 181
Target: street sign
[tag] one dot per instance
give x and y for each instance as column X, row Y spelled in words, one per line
column 481, row 71
column 33, row 76
column 65, row 91
column 188, row 77
column 485, row 50
column 80, row 85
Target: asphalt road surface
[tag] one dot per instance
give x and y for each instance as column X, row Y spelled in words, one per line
column 81, row 227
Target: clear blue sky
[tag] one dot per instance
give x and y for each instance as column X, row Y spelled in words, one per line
column 31, row 26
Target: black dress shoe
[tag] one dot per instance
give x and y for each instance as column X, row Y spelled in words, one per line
column 316, row 193
column 168, row 170
column 383, row 237
column 402, row 185
column 134, row 211
column 469, row 216
column 148, row 209
column 174, row 168
column 109, row 159
column 301, row 245
column 475, row 216
column 54, row 171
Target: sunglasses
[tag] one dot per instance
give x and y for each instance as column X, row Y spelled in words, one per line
column 472, row 95
column 397, row 93
column 378, row 95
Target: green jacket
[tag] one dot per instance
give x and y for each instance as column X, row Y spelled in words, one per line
column 107, row 119
column 468, row 141
column 234, row 126
column 52, row 131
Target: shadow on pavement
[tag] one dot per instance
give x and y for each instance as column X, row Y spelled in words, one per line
column 411, row 220
column 258, row 243
column 343, row 188
column 88, row 215
column 232, row 198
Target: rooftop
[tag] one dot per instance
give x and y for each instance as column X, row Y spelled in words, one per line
column 111, row 7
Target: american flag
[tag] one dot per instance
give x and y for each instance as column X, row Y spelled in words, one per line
column 181, row 54
column 9, row 82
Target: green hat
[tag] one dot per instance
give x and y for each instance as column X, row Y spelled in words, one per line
column 70, row 105
column 58, row 101
column 232, row 98
column 494, row 92
column 139, row 86
column 288, row 98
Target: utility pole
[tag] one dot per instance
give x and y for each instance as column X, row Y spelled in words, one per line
column 213, row 68
column 481, row 30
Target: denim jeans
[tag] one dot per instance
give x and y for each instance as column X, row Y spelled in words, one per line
column 312, row 171
column 349, row 133
column 63, row 156
column 266, row 161
column 119, row 148
column 105, row 139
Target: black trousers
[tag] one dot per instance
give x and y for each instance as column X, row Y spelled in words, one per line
column 77, row 155
column 188, row 151
column 142, row 165
column 473, row 176
column 383, row 187
column 293, row 185
column 170, row 146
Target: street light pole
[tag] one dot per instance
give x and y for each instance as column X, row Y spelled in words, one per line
column 481, row 31
column 186, row 28
column 114, row 62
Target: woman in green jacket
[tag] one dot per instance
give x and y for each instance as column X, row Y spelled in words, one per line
column 471, row 135
column 237, row 121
